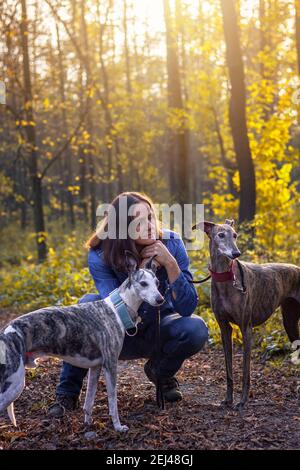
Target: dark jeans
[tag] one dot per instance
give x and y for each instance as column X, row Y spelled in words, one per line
column 181, row 338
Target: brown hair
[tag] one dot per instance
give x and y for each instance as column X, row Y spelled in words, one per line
column 114, row 249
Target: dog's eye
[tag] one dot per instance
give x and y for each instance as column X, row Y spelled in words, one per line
column 221, row 235
column 235, row 235
column 144, row 284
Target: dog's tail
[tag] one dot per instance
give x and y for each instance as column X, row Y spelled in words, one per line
column 12, row 373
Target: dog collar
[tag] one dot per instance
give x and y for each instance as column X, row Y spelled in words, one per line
column 222, row 277
column 121, row 308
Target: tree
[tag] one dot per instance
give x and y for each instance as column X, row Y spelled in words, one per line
column 37, row 195
column 178, row 182
column 89, row 121
column 297, row 24
column 237, row 113
column 68, row 157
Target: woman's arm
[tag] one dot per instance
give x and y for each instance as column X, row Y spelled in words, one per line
column 186, row 298
column 184, row 294
column 104, row 278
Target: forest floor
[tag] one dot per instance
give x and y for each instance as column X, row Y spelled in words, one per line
column 270, row 421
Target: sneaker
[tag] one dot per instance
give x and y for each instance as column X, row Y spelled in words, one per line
column 62, row 404
column 170, row 386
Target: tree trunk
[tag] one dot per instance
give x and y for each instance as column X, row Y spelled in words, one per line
column 228, row 166
column 37, row 197
column 109, row 126
column 262, row 32
column 22, row 186
column 126, row 49
column 75, row 25
column 89, row 121
column 297, row 24
column 68, row 169
column 183, row 70
column 178, row 137
column 132, row 169
column 82, row 161
column 237, row 113
column 297, row 36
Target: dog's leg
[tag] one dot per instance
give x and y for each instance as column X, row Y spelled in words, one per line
column 111, row 385
column 290, row 310
column 247, row 339
column 94, row 373
column 226, row 334
column 11, row 414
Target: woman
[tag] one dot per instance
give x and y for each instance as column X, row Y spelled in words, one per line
column 182, row 334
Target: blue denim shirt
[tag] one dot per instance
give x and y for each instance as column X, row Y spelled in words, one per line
column 107, row 279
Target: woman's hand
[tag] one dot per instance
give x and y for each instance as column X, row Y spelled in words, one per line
column 163, row 256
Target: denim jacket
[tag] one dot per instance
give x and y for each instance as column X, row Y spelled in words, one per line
column 107, row 279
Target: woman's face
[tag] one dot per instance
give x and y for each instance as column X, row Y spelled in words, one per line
column 144, row 223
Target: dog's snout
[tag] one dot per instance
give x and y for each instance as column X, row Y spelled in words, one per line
column 159, row 300
column 236, row 254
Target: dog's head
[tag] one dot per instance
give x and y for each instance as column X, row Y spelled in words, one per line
column 223, row 237
column 143, row 280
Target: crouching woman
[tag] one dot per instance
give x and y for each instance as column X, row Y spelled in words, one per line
column 183, row 334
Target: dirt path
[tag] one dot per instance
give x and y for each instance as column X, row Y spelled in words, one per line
column 271, row 420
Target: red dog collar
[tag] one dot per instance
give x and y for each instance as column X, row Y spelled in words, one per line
column 225, row 276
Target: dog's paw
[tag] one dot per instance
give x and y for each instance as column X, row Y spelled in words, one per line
column 88, row 418
column 240, row 407
column 295, row 357
column 121, row 428
column 226, row 403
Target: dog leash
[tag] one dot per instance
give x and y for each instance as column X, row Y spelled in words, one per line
column 160, row 399
column 201, row 280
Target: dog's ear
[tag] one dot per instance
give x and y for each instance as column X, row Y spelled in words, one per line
column 204, row 226
column 229, row 222
column 151, row 265
column 131, row 261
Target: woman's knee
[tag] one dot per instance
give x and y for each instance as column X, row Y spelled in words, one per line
column 89, row 298
column 196, row 332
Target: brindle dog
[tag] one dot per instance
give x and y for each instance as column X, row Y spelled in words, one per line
column 266, row 287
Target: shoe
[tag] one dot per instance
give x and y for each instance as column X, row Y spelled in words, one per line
column 62, row 404
column 170, row 385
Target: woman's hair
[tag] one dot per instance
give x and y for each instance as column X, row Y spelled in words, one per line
column 114, row 249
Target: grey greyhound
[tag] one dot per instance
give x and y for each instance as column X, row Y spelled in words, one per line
column 247, row 294
column 88, row 335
